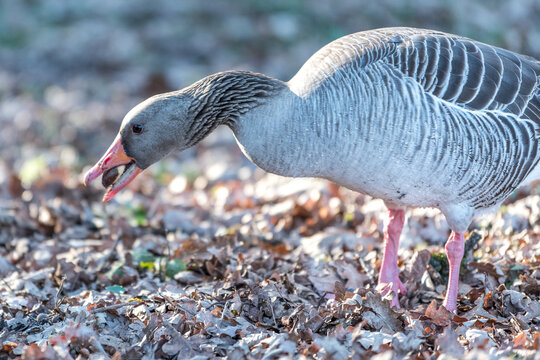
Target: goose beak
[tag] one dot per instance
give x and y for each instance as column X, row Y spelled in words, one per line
column 108, row 165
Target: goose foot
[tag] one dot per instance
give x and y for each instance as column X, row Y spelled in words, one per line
column 396, row 287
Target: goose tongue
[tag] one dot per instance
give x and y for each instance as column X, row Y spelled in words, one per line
column 108, row 165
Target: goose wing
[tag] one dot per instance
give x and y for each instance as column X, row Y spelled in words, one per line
column 479, row 78
column 457, row 70
column 468, row 73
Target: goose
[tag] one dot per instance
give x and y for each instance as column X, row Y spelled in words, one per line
column 415, row 117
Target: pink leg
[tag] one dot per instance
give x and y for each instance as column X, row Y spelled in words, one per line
column 454, row 251
column 389, row 270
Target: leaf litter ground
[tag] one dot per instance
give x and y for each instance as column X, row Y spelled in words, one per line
column 238, row 263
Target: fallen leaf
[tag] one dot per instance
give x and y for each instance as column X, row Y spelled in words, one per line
column 520, row 340
column 339, row 291
column 417, row 265
column 439, row 315
column 371, row 340
column 8, row 346
column 447, row 343
column 382, row 311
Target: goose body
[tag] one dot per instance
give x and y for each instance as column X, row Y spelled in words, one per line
column 373, row 112
column 414, row 117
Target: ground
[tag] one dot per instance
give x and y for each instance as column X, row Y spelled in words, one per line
column 205, row 255
column 236, row 262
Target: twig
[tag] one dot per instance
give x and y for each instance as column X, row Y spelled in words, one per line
column 113, row 307
column 214, row 304
column 273, row 315
column 60, row 288
column 224, row 309
column 280, row 293
column 321, row 299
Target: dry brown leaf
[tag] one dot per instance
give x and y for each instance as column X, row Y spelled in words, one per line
column 339, row 291
column 7, row 347
column 280, row 249
column 520, row 340
column 217, row 311
column 489, row 302
column 530, row 285
column 14, row 185
column 439, row 315
column 486, row 268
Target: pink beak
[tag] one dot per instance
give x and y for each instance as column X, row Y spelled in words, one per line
column 114, row 157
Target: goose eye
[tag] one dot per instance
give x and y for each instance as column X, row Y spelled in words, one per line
column 137, row 129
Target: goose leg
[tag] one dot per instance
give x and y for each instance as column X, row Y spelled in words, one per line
column 389, row 270
column 454, row 251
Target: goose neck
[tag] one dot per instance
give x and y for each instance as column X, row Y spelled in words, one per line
column 223, row 98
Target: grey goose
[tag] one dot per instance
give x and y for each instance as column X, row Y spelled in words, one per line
column 418, row 118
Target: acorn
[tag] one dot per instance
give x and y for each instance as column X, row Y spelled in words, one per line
column 109, row 177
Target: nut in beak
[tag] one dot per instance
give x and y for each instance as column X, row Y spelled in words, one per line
column 108, row 166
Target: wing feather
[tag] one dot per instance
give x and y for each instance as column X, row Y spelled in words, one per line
column 471, row 74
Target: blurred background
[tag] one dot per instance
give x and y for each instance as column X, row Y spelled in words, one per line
column 70, row 70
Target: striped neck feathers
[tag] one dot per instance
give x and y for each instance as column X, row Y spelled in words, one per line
column 224, row 97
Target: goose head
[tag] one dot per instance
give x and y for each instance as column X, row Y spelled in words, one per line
column 176, row 121
column 148, row 133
